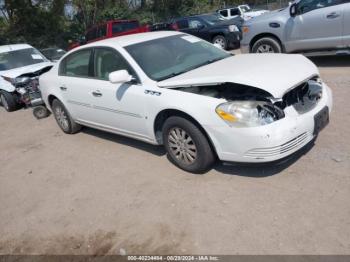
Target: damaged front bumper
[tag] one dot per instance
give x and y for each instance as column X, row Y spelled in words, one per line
column 269, row 142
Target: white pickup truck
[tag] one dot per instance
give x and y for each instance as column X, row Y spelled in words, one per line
column 243, row 11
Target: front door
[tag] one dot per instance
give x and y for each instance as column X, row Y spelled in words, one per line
column 318, row 25
column 118, row 107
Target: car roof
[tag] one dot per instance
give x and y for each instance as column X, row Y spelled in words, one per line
column 131, row 39
column 9, row 48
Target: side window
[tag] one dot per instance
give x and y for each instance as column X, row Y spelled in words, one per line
column 193, row 24
column 102, row 31
column 235, row 11
column 91, row 34
column 224, row 13
column 76, row 64
column 108, row 61
column 305, row 6
column 182, row 24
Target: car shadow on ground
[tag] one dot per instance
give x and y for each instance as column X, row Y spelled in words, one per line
column 259, row 170
column 331, row 61
column 237, row 169
column 153, row 149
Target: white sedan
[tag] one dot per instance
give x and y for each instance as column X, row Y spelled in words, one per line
column 200, row 102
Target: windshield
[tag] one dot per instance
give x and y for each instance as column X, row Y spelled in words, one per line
column 20, row 58
column 245, row 8
column 212, row 19
column 170, row 56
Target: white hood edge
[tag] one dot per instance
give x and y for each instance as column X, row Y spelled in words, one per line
column 274, row 73
column 13, row 73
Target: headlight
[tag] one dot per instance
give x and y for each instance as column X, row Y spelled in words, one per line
column 247, row 113
column 233, row 28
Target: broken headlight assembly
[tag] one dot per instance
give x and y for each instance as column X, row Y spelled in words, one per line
column 249, row 113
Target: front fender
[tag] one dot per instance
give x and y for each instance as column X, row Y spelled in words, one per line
column 6, row 86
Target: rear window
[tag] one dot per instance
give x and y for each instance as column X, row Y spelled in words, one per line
column 124, row 26
column 91, row 34
column 224, row 13
column 182, row 24
column 20, row 58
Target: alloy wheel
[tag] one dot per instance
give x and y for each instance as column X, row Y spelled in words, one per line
column 62, row 118
column 265, row 49
column 182, row 146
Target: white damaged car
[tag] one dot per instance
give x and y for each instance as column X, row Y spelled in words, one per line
column 200, row 102
column 16, row 61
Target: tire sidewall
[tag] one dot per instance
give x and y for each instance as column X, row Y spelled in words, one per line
column 267, row 41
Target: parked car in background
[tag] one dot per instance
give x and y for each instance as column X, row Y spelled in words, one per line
column 17, row 63
column 243, row 11
column 311, row 27
column 110, row 29
column 53, row 54
column 210, row 27
column 200, row 102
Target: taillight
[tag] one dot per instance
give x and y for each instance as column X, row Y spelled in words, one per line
column 175, row 26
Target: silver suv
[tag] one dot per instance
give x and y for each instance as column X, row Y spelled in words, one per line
column 306, row 26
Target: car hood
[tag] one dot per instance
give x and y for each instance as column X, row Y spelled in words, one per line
column 274, row 73
column 255, row 12
column 276, row 14
column 13, row 73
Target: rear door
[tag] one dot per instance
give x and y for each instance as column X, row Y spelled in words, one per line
column 76, row 89
column 318, row 25
column 115, row 107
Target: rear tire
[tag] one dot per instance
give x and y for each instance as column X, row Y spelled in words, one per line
column 8, row 101
column 187, row 146
column 267, row 45
column 63, row 118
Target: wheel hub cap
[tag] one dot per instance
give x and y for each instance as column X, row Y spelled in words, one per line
column 265, row 49
column 182, row 146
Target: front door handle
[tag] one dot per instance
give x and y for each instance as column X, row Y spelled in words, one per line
column 332, row 15
column 97, row 93
column 63, row 88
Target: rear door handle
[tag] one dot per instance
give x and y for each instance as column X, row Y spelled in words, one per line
column 97, row 93
column 63, row 88
column 332, row 15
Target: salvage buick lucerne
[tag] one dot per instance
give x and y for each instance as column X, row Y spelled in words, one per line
column 200, row 102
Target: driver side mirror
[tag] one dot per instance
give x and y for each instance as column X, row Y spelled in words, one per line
column 293, row 10
column 199, row 27
column 120, row 77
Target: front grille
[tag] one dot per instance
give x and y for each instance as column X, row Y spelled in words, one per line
column 261, row 153
column 304, row 97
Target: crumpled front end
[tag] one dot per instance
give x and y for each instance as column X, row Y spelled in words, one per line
column 303, row 119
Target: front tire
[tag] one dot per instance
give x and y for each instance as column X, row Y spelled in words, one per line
column 267, row 45
column 8, row 101
column 63, row 118
column 186, row 145
column 221, row 40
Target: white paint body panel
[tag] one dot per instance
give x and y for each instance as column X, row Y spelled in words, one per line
column 131, row 109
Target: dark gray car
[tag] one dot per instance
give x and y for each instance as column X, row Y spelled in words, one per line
column 307, row 26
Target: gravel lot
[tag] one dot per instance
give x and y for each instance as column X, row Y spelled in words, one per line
column 98, row 193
